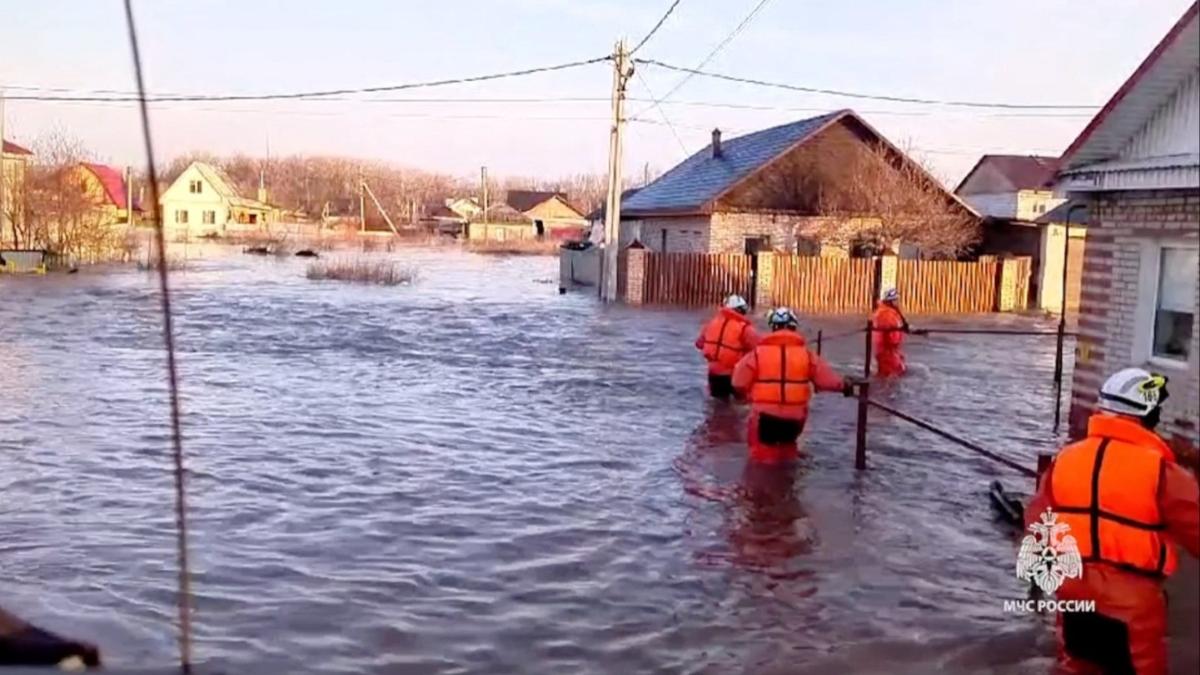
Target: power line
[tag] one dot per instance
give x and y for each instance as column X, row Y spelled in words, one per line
column 663, row 113
column 654, row 30
column 316, row 94
column 872, row 97
column 721, row 45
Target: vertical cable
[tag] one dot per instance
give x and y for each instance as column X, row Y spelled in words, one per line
column 181, row 538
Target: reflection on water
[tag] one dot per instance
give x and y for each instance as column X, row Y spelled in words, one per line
column 476, row 474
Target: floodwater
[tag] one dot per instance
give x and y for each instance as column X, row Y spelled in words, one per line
column 478, row 475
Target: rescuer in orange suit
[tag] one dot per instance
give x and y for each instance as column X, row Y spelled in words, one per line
column 723, row 341
column 1128, row 504
column 779, row 377
column 890, row 326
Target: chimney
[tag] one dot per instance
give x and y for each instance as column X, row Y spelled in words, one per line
column 716, row 144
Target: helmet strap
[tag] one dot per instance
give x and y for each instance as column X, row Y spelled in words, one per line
column 1152, row 419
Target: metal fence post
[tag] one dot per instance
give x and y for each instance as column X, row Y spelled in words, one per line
column 819, row 332
column 860, row 441
column 867, row 350
column 1044, row 460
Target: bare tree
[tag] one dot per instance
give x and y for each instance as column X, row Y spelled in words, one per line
column 882, row 185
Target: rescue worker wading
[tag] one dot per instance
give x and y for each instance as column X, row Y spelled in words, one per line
column 779, row 377
column 1128, row 505
column 890, row 327
column 724, row 341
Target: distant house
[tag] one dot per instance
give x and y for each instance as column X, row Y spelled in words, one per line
column 1015, row 196
column 1136, row 167
column 106, row 188
column 463, row 207
column 14, row 168
column 500, row 222
column 204, row 201
column 440, row 218
column 550, row 213
column 760, row 191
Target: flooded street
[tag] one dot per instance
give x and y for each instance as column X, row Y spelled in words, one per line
column 476, row 474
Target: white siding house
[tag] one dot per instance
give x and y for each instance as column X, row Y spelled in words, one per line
column 1137, row 168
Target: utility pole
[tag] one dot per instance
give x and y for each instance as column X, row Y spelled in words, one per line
column 622, row 71
column 129, row 195
column 483, row 190
column 362, row 202
column 3, row 172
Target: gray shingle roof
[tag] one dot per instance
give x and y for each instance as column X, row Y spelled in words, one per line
column 701, row 178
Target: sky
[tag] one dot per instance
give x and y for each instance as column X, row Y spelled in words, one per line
column 1062, row 52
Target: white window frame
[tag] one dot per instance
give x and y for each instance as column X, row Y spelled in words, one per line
column 1147, row 304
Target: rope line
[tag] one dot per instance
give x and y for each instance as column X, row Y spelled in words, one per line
column 955, row 439
column 184, row 597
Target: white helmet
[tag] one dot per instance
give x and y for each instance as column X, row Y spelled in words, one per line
column 891, row 295
column 737, row 303
column 782, row 317
column 1133, row 391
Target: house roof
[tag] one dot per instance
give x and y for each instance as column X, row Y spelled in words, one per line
column 1171, row 61
column 226, row 187
column 599, row 211
column 14, row 149
column 113, row 182
column 524, row 200
column 694, row 185
column 1019, row 172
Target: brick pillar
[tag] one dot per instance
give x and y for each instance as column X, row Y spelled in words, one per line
column 1010, row 268
column 763, row 285
column 635, row 285
column 888, row 270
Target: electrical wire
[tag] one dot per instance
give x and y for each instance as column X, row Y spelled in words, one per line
column 654, row 30
column 184, row 596
column 316, row 94
column 663, row 113
column 721, row 45
column 857, row 95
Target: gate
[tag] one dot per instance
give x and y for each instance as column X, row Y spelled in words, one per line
column 695, row 279
column 814, row 284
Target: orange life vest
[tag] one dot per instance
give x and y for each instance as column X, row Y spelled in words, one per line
column 1105, row 488
column 722, row 338
column 784, row 371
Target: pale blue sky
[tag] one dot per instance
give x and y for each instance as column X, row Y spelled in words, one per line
column 1022, row 51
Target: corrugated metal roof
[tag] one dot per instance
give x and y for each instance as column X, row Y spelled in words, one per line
column 701, row 178
column 113, row 183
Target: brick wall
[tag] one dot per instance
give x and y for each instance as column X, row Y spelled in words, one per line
column 687, row 234
column 1121, row 222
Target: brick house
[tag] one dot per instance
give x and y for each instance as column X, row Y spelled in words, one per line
column 760, row 191
column 1136, row 166
column 1015, row 196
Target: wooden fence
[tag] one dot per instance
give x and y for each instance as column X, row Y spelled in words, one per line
column 815, row 284
column 818, row 284
column 693, row 279
column 946, row 286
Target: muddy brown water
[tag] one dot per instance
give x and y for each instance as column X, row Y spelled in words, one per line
column 477, row 475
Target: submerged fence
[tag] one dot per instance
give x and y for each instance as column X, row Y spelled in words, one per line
column 829, row 285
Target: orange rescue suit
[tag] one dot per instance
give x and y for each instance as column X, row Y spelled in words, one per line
column 1128, row 504
column 725, row 339
column 887, row 340
column 779, row 377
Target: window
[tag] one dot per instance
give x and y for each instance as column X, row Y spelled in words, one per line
column 195, row 187
column 209, row 218
column 1175, row 303
column 181, row 216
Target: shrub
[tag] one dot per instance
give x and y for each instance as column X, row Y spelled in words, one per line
column 360, row 271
